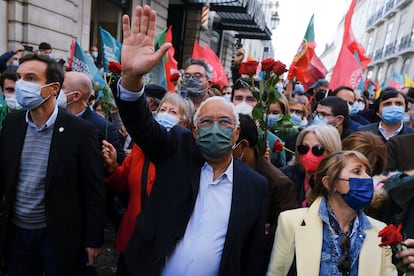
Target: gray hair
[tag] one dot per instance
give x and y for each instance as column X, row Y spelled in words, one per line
column 224, row 101
column 200, row 62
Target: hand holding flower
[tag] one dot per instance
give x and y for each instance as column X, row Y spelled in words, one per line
column 391, row 236
column 407, row 254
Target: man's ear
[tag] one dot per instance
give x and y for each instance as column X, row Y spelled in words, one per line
column 340, row 119
column 55, row 88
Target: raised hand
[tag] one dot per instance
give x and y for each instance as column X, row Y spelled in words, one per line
column 138, row 54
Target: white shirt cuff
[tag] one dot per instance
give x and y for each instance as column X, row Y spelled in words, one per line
column 127, row 95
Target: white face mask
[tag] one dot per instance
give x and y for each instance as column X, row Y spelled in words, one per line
column 12, row 102
column 244, row 108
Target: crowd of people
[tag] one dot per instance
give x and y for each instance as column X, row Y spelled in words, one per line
column 197, row 195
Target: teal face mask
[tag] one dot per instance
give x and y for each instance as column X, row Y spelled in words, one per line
column 214, row 141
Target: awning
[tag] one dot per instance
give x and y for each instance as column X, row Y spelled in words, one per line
column 243, row 16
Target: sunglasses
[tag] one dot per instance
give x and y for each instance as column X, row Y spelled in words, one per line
column 344, row 264
column 316, row 150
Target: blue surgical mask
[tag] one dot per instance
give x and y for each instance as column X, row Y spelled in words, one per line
column 227, row 97
column 61, row 99
column 214, row 141
column 361, row 191
column 392, row 114
column 167, row 120
column 353, row 109
column 318, row 120
column 94, row 54
column 15, row 63
column 296, row 119
column 271, row 119
column 28, row 94
column 406, row 118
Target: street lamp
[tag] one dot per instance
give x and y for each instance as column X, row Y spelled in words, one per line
column 274, row 20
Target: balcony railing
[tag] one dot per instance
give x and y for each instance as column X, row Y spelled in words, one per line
column 405, row 42
column 378, row 53
column 390, row 49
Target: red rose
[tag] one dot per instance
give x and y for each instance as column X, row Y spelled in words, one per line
column 175, row 77
column 249, row 67
column 277, row 146
column 114, row 67
column 390, row 235
column 267, row 65
column 279, row 68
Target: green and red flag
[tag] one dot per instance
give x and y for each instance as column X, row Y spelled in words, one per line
column 218, row 75
column 306, row 66
column 351, row 60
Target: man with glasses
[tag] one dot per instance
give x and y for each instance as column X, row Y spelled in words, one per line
column 197, row 81
column 205, row 215
column 333, row 111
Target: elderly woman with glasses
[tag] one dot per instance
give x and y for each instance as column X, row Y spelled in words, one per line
column 333, row 236
column 312, row 145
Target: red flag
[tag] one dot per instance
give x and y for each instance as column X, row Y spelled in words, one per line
column 351, row 59
column 306, row 66
column 218, row 73
column 171, row 63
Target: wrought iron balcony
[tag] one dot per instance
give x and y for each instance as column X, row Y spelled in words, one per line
column 378, row 54
column 390, row 49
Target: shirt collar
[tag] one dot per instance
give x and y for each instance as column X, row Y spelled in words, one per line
column 382, row 130
column 49, row 123
column 228, row 173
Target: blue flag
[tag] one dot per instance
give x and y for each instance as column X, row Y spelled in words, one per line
column 111, row 48
column 83, row 63
column 80, row 62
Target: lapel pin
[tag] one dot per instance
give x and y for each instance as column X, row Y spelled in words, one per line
column 61, row 129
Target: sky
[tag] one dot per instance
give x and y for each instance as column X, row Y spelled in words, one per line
column 294, row 20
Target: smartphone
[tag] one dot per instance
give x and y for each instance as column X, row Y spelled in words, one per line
column 28, row 48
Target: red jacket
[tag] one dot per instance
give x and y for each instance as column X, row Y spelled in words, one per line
column 127, row 177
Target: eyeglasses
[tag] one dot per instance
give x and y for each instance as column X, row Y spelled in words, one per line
column 209, row 121
column 195, row 75
column 317, row 150
column 344, row 264
column 297, row 112
column 322, row 115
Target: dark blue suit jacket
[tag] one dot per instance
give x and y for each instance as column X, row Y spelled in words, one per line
column 163, row 221
column 106, row 130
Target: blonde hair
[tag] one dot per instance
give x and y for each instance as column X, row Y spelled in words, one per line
column 332, row 166
column 327, row 135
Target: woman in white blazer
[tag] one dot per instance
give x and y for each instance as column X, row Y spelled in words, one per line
column 333, row 236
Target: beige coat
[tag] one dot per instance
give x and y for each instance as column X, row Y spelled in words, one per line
column 306, row 240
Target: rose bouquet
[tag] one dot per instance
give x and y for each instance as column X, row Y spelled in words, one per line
column 266, row 94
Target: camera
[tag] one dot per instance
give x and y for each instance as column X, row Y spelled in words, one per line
column 28, row 48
